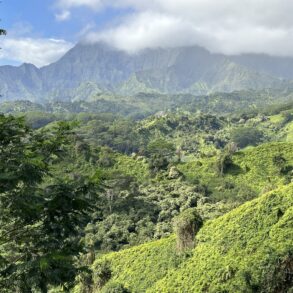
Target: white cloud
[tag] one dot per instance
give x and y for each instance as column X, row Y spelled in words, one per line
column 63, row 16
column 87, row 29
column 20, row 29
column 148, row 30
column 227, row 26
column 67, row 4
column 39, row 52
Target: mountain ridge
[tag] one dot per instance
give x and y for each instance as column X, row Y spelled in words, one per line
column 192, row 70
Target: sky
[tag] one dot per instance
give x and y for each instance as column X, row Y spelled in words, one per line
column 42, row 31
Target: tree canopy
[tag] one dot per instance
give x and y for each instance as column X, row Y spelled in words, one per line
column 40, row 222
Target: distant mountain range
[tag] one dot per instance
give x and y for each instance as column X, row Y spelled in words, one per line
column 91, row 69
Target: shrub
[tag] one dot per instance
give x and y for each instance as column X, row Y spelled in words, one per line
column 280, row 162
column 280, row 276
column 224, row 160
column 102, row 274
column 186, row 226
column 114, row 288
column 245, row 136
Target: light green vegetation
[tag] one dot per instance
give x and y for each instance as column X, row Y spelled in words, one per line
column 252, row 170
column 143, row 103
column 132, row 166
column 242, row 251
column 140, row 267
column 146, row 173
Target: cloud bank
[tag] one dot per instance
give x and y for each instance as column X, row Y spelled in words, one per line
column 226, row 26
column 39, row 52
column 94, row 4
column 221, row 26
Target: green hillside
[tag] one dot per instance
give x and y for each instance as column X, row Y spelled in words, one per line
column 137, row 177
column 247, row 250
column 140, row 267
column 145, row 103
column 253, row 170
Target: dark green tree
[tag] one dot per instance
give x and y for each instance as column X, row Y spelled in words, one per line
column 281, row 163
column 245, row 136
column 40, row 222
column 160, row 152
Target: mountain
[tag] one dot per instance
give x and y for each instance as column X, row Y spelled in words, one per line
column 90, row 69
column 281, row 67
column 23, row 82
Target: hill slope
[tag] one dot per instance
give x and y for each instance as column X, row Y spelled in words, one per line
column 247, row 250
column 252, row 171
column 87, row 99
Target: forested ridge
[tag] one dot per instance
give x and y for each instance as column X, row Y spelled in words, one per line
column 95, row 201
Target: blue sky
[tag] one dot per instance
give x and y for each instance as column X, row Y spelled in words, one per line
column 41, row 31
column 37, row 22
column 41, row 16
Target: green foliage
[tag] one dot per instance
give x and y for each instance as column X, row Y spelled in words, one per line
column 171, row 197
column 113, row 183
column 248, row 249
column 106, row 158
column 186, row 226
column 241, row 251
column 102, row 273
column 245, row 136
column 224, row 160
column 143, row 104
column 114, row 288
column 280, row 162
column 160, row 152
column 161, row 147
column 247, row 173
column 39, row 119
column 259, row 166
column 139, row 267
column 40, row 223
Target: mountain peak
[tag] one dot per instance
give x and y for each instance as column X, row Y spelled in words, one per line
column 176, row 70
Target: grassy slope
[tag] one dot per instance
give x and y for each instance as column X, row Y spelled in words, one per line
column 235, row 253
column 140, row 267
column 259, row 161
column 289, row 131
column 253, row 168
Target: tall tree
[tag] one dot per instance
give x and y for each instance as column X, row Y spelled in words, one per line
column 160, row 152
column 40, row 223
